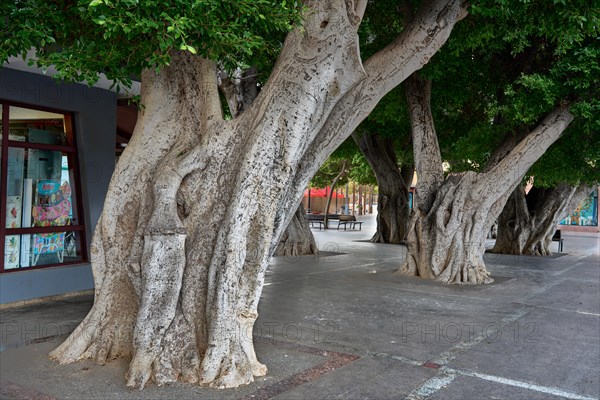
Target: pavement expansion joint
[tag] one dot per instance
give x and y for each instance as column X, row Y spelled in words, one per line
column 402, row 359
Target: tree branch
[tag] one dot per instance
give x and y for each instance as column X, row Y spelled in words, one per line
column 295, row 102
column 379, row 153
column 211, row 106
column 510, row 170
column 359, row 8
column 426, row 150
column 385, row 70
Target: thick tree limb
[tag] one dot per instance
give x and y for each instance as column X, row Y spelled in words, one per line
column 508, row 173
column 426, row 150
column 385, row 70
column 306, row 51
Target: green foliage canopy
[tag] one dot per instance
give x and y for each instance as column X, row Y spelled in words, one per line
column 504, row 68
column 359, row 170
column 120, row 38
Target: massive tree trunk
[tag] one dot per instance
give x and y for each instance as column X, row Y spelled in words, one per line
column 528, row 221
column 393, row 211
column 453, row 215
column 197, row 204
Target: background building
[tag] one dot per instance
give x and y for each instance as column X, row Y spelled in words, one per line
column 585, row 217
column 57, row 155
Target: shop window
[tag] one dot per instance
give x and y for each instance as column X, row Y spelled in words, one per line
column 41, row 222
column 586, row 214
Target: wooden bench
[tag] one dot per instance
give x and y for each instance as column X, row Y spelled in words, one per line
column 349, row 220
column 556, row 238
column 320, row 219
column 316, row 219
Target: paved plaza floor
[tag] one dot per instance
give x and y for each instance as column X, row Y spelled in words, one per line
column 341, row 325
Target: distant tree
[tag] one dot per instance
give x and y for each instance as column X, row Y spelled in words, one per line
column 562, row 179
column 394, row 179
column 533, row 80
column 332, row 173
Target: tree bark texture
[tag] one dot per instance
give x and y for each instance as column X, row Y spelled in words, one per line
column 197, row 204
column 528, row 221
column 453, row 215
column 297, row 239
column 393, row 213
column 240, row 90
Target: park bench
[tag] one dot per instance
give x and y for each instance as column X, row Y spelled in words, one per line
column 349, row 220
column 320, row 219
column 556, row 238
column 315, row 219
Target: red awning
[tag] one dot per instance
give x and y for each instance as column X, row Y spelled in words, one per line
column 316, row 192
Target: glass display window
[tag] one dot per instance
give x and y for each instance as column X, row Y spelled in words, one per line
column 586, row 213
column 41, row 224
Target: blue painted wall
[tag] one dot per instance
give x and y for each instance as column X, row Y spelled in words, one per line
column 95, row 124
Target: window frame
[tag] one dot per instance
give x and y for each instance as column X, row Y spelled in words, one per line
column 72, row 151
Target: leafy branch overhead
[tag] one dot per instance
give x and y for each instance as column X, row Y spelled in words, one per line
column 120, row 38
column 504, row 69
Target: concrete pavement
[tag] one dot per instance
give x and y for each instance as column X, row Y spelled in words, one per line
column 342, row 325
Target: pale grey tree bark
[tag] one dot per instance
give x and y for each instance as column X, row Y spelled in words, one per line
column 197, row 204
column 453, row 214
column 393, row 211
column 297, row 239
column 528, row 221
column 240, row 89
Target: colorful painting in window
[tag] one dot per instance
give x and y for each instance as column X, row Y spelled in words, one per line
column 11, row 252
column 586, row 214
column 13, row 211
column 52, row 209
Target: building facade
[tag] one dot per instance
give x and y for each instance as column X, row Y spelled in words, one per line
column 585, row 217
column 56, row 158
